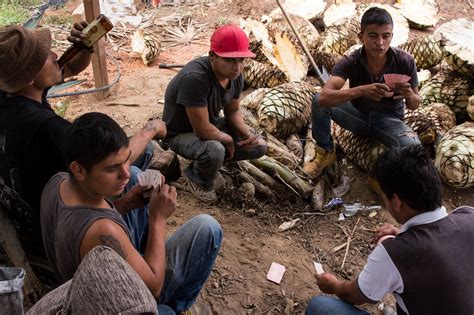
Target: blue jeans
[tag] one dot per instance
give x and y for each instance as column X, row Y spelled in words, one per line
column 326, row 305
column 137, row 219
column 190, row 252
column 190, row 255
column 208, row 155
column 389, row 129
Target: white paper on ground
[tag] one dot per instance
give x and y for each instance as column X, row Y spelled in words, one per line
column 318, row 267
column 276, row 272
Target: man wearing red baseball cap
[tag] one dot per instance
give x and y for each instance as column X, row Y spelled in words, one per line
column 193, row 101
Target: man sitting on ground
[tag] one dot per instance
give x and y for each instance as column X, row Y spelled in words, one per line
column 76, row 216
column 193, row 101
column 425, row 262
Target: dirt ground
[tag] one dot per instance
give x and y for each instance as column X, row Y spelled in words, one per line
column 251, row 242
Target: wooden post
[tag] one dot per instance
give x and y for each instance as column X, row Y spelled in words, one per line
column 99, row 62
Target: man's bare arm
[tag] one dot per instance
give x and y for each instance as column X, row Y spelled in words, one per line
column 235, row 119
column 108, row 233
column 346, row 290
column 203, row 129
column 153, row 128
column 405, row 91
column 333, row 94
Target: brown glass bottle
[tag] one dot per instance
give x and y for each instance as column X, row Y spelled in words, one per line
column 93, row 32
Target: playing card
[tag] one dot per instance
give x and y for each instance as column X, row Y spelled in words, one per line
column 393, row 78
column 276, row 272
column 150, row 178
column 318, row 267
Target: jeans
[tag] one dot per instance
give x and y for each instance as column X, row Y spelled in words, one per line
column 190, row 252
column 137, row 219
column 326, row 305
column 390, row 130
column 208, row 155
column 190, row 255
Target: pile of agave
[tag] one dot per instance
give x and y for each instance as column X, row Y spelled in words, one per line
column 281, row 76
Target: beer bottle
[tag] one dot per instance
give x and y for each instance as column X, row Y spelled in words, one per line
column 93, row 32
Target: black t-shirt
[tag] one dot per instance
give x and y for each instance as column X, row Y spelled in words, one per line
column 32, row 151
column 355, row 68
column 196, row 85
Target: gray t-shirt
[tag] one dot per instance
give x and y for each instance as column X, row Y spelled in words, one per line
column 355, row 68
column 196, row 85
column 63, row 227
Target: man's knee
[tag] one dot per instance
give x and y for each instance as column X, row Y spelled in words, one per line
column 214, row 152
column 408, row 138
column 314, row 304
column 209, row 227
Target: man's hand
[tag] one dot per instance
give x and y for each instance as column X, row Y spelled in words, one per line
column 162, row 203
column 375, row 91
column 402, row 91
column 252, row 140
column 76, row 36
column 386, row 229
column 327, row 282
column 132, row 199
column 157, row 126
column 228, row 143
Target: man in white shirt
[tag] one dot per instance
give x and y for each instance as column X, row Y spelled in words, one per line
column 424, row 262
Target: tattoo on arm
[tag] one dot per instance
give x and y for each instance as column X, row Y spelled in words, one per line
column 112, row 242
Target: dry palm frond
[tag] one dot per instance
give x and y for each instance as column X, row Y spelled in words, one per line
column 183, row 34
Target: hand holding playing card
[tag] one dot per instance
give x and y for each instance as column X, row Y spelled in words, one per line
column 397, row 84
column 374, row 91
column 133, row 198
column 402, row 91
column 151, row 179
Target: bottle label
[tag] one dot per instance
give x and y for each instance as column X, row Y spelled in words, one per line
column 94, row 31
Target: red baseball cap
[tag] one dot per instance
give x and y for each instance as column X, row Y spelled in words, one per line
column 230, row 41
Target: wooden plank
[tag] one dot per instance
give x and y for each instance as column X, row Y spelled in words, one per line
column 99, row 62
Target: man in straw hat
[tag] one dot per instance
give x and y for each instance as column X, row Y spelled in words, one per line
column 31, row 133
column 193, row 101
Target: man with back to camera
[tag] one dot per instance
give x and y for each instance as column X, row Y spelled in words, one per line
column 76, row 216
column 193, row 101
column 369, row 107
column 426, row 263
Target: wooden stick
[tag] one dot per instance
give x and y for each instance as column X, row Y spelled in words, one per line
column 349, row 239
column 470, row 4
column 303, row 45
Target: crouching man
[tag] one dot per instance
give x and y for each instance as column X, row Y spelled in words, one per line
column 425, row 263
column 77, row 215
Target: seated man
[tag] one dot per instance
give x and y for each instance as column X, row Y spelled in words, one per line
column 76, row 216
column 31, row 134
column 369, row 107
column 193, row 101
column 426, row 262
